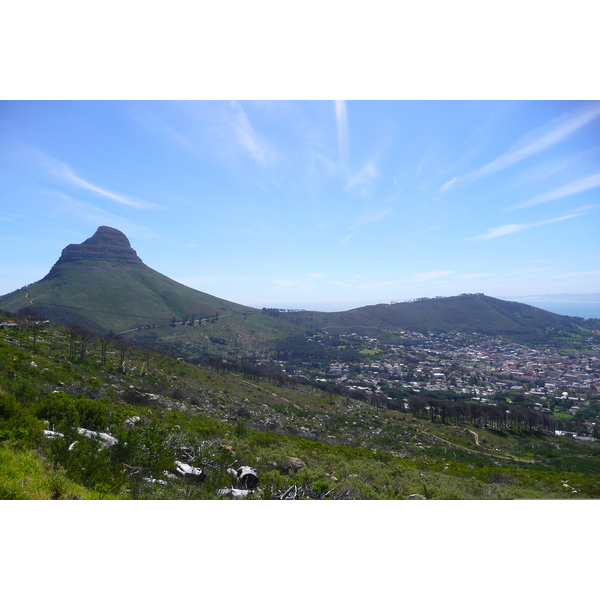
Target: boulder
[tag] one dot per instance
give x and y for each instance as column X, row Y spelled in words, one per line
column 294, row 464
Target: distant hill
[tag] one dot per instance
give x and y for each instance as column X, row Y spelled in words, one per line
column 105, row 286
column 467, row 313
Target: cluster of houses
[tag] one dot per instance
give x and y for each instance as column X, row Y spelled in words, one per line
column 481, row 366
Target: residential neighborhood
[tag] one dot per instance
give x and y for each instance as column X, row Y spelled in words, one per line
column 473, row 366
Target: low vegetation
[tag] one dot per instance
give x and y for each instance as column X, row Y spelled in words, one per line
column 304, row 441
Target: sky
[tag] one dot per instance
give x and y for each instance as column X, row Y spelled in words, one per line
column 311, row 204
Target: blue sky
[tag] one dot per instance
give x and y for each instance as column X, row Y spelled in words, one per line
column 311, row 204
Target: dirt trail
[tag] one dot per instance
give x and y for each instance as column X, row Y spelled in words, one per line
column 272, row 393
column 169, row 324
column 505, row 457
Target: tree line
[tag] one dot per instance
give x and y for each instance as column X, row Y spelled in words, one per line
column 247, row 370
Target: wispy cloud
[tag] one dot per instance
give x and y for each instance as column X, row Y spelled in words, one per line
column 449, row 184
column 363, row 178
column 535, row 142
column 150, row 121
column 494, row 232
column 247, row 137
column 503, row 230
column 372, row 215
column 93, row 214
column 560, row 167
column 341, row 119
column 581, row 185
column 247, row 231
column 347, row 237
column 576, row 274
column 284, row 282
column 65, row 173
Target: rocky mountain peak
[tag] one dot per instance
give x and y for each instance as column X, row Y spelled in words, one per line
column 107, row 243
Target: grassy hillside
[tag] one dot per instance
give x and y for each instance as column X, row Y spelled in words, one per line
column 468, row 313
column 252, row 334
column 303, row 441
column 103, row 285
column 110, row 296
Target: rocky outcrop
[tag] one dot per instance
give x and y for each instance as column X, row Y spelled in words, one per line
column 107, row 243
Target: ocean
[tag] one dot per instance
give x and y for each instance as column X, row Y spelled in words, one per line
column 587, row 310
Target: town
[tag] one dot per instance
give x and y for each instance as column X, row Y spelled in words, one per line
column 471, row 367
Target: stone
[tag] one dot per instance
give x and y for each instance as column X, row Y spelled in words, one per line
column 294, row 464
column 107, row 243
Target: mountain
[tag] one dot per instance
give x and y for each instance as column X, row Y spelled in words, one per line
column 469, row 313
column 104, row 285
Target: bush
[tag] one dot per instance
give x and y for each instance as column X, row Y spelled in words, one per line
column 499, row 477
column 17, row 423
column 65, row 411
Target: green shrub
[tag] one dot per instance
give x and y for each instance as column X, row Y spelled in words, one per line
column 17, row 422
column 64, row 411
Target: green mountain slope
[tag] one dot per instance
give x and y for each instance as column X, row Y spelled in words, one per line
column 468, row 313
column 103, row 285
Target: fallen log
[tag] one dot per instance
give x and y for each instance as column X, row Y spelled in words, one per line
column 247, row 476
column 190, row 473
column 233, row 493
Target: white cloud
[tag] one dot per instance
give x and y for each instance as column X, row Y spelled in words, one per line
column 577, row 274
column 535, row 141
column 499, row 231
column 371, row 216
column 247, row 137
column 448, row 184
column 96, row 215
column 364, row 177
column 495, row 232
column 347, row 237
column 581, row 185
column 151, row 122
column 247, row 231
column 64, row 172
column 551, row 168
column 341, row 119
